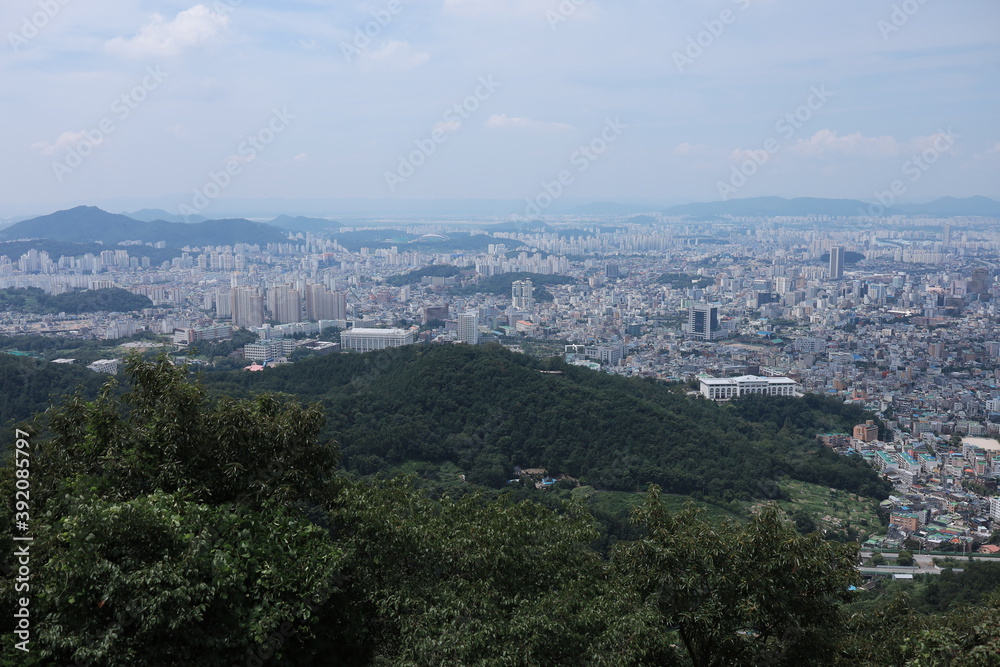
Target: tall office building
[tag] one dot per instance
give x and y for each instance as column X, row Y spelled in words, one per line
column 837, row 254
column 522, row 295
column 247, row 306
column 468, row 327
column 704, row 323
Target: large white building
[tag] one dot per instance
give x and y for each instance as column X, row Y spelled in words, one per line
column 106, row 366
column 268, row 350
column 723, row 389
column 365, row 340
column 995, row 508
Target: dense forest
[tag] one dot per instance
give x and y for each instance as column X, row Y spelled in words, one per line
column 434, row 270
column 36, row 301
column 685, row 281
column 171, row 528
column 31, row 385
column 488, row 410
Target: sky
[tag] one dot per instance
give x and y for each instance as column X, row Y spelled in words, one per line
column 527, row 100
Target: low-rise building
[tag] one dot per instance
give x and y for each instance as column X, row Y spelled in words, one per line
column 724, row 389
column 366, row 340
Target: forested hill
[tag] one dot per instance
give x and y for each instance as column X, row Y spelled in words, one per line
column 487, row 410
column 35, row 300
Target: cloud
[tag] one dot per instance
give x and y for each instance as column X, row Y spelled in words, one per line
column 396, row 55
column 827, row 143
column 179, row 132
column 504, row 122
column 691, row 149
column 447, row 126
column 493, row 7
column 990, row 153
column 67, row 141
column 191, row 28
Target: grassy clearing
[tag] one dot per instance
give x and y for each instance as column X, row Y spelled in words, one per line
column 832, row 509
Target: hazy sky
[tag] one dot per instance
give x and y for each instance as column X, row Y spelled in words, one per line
column 141, row 99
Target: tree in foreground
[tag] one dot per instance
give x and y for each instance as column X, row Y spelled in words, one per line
column 172, row 529
column 758, row 593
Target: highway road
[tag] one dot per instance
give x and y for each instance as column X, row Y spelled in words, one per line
column 924, row 564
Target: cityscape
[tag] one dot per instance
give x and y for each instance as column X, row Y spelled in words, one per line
column 500, row 333
column 898, row 316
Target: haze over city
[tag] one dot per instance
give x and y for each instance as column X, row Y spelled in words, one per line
column 160, row 95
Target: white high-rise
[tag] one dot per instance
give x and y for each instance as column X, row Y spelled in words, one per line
column 837, row 254
column 468, row 327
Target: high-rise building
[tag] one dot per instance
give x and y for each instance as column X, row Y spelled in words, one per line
column 223, row 303
column 522, row 295
column 432, row 313
column 322, row 304
column 284, row 303
column 703, row 322
column 837, row 254
column 468, row 327
column 247, row 306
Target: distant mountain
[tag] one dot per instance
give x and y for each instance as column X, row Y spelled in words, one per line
column 303, row 224
column 609, row 208
column 773, row 206
column 158, row 214
column 517, row 227
column 952, row 206
column 805, row 206
column 85, row 224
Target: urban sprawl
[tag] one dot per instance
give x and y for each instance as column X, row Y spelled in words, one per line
column 897, row 315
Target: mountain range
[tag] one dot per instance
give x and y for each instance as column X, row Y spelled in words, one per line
column 88, row 224
column 804, row 206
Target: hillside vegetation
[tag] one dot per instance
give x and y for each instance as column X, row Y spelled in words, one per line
column 172, row 528
column 488, row 410
column 36, row 301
